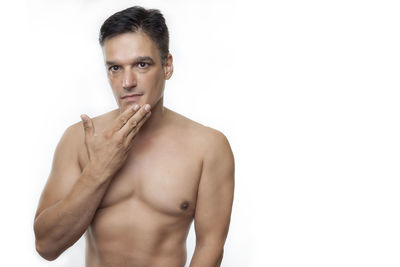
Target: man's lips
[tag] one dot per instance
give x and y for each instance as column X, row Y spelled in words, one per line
column 131, row 96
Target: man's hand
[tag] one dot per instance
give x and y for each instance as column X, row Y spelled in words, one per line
column 108, row 150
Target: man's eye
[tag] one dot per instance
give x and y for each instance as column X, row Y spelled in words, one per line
column 142, row 64
column 114, row 68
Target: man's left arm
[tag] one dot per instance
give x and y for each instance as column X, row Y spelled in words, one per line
column 214, row 203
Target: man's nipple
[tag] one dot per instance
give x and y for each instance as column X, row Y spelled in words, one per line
column 184, row 205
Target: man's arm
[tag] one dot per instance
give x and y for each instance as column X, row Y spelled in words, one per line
column 214, row 203
column 70, row 198
column 68, row 201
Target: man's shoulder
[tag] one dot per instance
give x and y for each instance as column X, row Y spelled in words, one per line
column 186, row 124
column 212, row 146
column 201, row 135
column 99, row 122
column 76, row 133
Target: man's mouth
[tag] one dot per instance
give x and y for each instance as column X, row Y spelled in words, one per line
column 131, row 97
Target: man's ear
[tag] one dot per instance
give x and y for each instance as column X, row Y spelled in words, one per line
column 168, row 67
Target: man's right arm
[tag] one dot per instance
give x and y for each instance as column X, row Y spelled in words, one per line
column 63, row 222
column 70, row 198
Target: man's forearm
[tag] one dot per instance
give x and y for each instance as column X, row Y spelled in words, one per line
column 207, row 256
column 61, row 225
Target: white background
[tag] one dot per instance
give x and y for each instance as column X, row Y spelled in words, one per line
column 307, row 93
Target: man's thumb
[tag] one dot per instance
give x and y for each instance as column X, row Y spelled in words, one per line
column 87, row 124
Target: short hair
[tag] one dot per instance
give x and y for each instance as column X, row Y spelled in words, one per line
column 135, row 19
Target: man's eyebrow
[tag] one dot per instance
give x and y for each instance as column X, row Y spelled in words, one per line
column 149, row 59
column 110, row 63
column 138, row 59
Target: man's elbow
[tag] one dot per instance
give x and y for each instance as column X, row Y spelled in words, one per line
column 220, row 258
column 208, row 254
column 46, row 252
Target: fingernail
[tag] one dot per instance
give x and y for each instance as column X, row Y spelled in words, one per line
column 147, row 107
column 135, row 107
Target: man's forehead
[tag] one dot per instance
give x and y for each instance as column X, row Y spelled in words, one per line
column 129, row 46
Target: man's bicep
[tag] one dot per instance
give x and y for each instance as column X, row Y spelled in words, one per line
column 215, row 194
column 65, row 169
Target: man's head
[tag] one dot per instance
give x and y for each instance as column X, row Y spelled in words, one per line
column 137, row 19
column 135, row 48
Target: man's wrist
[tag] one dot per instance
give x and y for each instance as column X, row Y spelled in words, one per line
column 96, row 173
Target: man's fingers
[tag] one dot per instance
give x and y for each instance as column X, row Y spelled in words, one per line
column 124, row 117
column 135, row 120
column 134, row 131
column 88, row 125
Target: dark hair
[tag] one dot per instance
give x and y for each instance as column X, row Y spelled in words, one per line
column 135, row 19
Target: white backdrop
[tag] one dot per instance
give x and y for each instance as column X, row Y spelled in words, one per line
column 307, row 93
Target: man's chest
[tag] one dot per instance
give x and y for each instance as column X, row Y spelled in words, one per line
column 162, row 176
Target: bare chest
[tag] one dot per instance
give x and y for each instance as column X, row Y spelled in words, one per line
column 162, row 177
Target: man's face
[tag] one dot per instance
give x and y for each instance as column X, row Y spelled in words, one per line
column 134, row 67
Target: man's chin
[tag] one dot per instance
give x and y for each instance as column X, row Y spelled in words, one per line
column 125, row 106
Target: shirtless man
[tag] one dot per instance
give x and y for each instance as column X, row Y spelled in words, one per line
column 133, row 179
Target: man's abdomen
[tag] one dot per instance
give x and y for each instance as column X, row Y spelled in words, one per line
column 133, row 233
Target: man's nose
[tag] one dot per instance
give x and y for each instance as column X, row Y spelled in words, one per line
column 129, row 80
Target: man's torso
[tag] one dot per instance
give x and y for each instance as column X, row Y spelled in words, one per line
column 145, row 215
